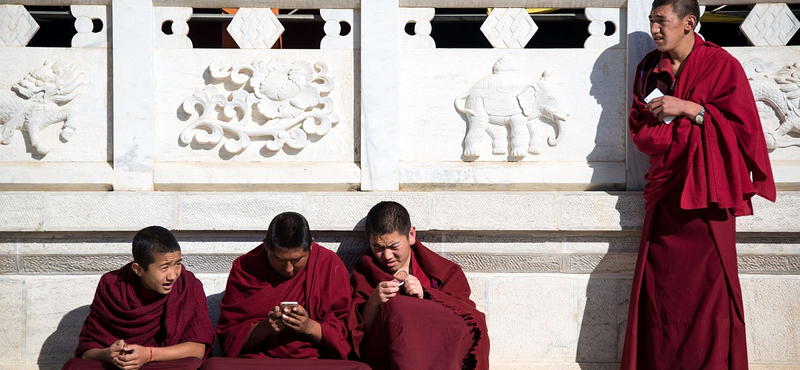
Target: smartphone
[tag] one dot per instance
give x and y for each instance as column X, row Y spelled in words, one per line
column 287, row 306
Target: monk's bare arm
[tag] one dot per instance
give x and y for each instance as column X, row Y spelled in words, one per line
column 179, row 351
column 672, row 106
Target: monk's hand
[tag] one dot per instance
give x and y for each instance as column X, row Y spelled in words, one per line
column 385, row 291
column 133, row 357
column 413, row 287
column 114, row 350
column 665, row 106
column 297, row 319
column 275, row 320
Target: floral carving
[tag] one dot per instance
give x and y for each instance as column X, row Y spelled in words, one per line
column 281, row 102
column 39, row 100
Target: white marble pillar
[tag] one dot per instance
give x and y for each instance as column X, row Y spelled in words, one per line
column 379, row 119
column 132, row 66
column 639, row 43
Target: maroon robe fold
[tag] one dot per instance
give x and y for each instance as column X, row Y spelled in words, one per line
column 442, row 331
column 118, row 312
column 254, row 288
column 686, row 301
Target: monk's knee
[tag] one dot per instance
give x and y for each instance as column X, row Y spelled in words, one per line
column 214, row 363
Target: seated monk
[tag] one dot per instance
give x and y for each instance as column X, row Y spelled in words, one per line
column 257, row 330
column 411, row 307
column 150, row 314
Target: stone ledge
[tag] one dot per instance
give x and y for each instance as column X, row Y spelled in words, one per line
column 344, row 211
column 579, row 263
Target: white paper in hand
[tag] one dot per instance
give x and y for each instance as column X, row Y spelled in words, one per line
column 656, row 93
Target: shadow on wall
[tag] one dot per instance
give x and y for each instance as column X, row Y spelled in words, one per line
column 605, row 311
column 609, row 135
column 60, row 345
column 213, row 312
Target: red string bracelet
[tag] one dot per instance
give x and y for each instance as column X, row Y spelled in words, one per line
column 151, row 354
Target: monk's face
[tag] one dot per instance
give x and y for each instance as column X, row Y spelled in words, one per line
column 393, row 250
column 161, row 275
column 288, row 262
column 668, row 30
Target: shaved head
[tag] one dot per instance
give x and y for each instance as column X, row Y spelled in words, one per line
column 681, row 7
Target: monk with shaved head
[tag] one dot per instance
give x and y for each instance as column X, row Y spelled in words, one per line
column 694, row 114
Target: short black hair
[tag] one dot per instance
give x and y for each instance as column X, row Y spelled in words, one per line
column 387, row 217
column 288, row 231
column 151, row 240
column 681, row 7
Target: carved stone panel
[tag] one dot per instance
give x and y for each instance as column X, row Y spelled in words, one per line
column 84, row 16
column 17, row 27
column 40, row 99
column 770, row 25
column 597, row 28
column 421, row 19
column 509, row 28
column 255, row 28
column 333, row 38
column 178, row 17
column 510, row 99
column 277, row 101
column 778, row 88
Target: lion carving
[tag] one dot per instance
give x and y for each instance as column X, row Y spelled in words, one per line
column 41, row 99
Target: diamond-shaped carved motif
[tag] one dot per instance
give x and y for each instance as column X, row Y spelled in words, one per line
column 770, row 25
column 255, row 28
column 509, row 28
column 17, row 27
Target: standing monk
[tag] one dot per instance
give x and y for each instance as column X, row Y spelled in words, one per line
column 150, row 314
column 411, row 307
column 259, row 330
column 705, row 166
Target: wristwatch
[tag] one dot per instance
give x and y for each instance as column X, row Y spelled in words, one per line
column 699, row 117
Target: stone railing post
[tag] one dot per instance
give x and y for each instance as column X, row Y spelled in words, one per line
column 132, row 91
column 379, row 90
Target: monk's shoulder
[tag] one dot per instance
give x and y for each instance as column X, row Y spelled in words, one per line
column 329, row 258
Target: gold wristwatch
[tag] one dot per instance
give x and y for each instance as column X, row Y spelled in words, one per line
column 699, row 117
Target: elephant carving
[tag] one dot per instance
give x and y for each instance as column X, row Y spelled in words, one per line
column 779, row 89
column 511, row 99
column 39, row 100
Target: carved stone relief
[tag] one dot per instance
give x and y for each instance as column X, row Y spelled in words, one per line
column 770, row 25
column 255, row 28
column 39, row 100
column 84, row 15
column 509, row 28
column 333, row 38
column 180, row 27
column 779, row 89
column 421, row 18
column 281, row 102
column 512, row 99
column 597, row 28
column 17, row 26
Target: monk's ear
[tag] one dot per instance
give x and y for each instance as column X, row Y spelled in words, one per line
column 137, row 269
column 691, row 23
column 412, row 235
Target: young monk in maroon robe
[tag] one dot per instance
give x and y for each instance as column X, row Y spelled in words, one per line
column 706, row 165
column 150, row 314
column 258, row 331
column 411, row 307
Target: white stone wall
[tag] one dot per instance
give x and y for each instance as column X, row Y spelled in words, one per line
column 548, row 239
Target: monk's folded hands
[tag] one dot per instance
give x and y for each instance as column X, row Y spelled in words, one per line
column 133, row 357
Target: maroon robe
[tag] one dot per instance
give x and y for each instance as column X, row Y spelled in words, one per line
column 119, row 312
column 254, row 288
column 442, row 331
column 686, row 302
